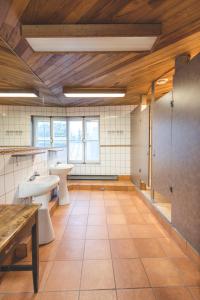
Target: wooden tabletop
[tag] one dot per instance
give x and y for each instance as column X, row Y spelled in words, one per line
column 12, row 219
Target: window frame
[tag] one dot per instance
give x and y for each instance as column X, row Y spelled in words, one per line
column 84, row 142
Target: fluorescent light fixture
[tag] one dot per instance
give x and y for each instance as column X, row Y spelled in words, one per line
column 18, row 94
column 91, row 44
column 162, row 81
column 94, row 93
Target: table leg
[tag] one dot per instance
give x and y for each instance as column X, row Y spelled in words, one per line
column 35, row 255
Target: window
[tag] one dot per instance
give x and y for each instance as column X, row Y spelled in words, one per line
column 79, row 134
column 49, row 132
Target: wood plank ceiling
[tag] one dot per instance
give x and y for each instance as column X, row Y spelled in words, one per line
column 180, row 21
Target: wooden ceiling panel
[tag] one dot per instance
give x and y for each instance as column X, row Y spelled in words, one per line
column 180, row 33
column 15, row 75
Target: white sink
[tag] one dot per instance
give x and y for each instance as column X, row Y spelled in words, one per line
column 62, row 170
column 38, row 190
column 37, row 187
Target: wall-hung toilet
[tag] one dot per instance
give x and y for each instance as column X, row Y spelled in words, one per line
column 62, row 169
column 39, row 190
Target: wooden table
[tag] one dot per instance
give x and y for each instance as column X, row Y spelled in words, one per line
column 16, row 223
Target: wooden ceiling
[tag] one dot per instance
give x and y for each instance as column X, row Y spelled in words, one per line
column 49, row 72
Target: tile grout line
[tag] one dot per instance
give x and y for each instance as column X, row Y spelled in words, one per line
column 79, row 292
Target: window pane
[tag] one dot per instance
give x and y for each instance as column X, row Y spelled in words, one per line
column 92, row 129
column 42, row 133
column 75, row 130
column 92, row 151
column 59, row 133
column 75, row 151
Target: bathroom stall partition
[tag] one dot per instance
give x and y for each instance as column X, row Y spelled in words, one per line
column 140, row 145
column 175, row 135
column 186, row 151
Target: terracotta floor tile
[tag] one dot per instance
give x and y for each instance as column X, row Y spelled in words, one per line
column 97, row 210
column 97, row 203
column 144, row 231
column 97, row 274
column 70, row 249
column 96, row 195
column 19, row 296
column 118, row 232
column 97, row 220
column 80, row 203
column 135, row 218
column 58, row 296
column 129, row 209
column 135, row 294
column 123, row 248
column 80, row 210
column 98, row 295
column 58, row 231
column 116, row 219
column 74, row 232
column 172, row 293
column 78, row 220
column 97, row 249
column 114, row 210
column 48, row 252
column 170, row 248
column 162, row 272
column 149, row 218
column 22, row 281
column 112, row 203
column 64, row 275
column 149, row 248
column 195, row 291
column 190, row 273
column 125, row 201
column 129, row 273
column 97, row 232
column 63, row 211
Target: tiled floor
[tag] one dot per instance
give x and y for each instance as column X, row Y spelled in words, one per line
column 108, row 246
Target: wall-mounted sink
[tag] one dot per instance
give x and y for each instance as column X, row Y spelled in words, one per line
column 62, row 169
column 37, row 187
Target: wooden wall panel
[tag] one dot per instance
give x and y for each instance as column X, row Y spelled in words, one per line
column 161, row 145
column 140, row 145
column 186, row 152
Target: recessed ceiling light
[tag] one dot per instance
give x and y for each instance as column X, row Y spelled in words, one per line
column 162, row 81
column 94, row 93
column 18, row 94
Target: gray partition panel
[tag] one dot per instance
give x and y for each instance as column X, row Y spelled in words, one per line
column 162, row 145
column 139, row 145
column 186, row 152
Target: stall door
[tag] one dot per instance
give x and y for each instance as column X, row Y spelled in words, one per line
column 162, row 145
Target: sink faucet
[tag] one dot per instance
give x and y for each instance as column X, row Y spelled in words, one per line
column 34, row 175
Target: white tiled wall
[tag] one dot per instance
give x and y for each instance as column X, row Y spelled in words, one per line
column 14, row 171
column 15, row 129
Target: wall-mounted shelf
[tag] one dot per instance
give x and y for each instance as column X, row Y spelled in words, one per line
column 28, row 153
column 55, row 149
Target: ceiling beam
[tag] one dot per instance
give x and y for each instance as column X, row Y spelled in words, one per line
column 91, row 30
